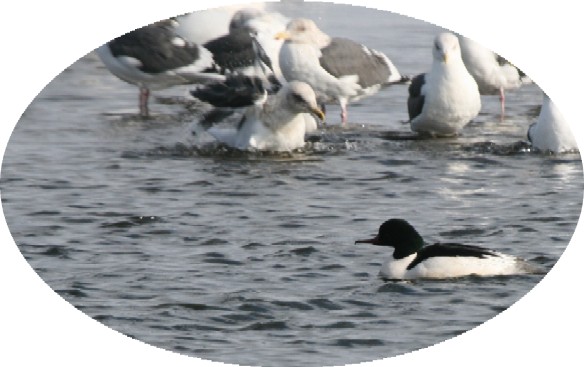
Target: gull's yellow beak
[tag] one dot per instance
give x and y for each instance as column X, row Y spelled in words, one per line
column 282, row 36
column 445, row 58
column 318, row 112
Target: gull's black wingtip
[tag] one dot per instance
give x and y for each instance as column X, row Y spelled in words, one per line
column 404, row 79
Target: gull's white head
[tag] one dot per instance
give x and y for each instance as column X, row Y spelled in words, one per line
column 243, row 16
column 300, row 97
column 302, row 30
column 446, row 48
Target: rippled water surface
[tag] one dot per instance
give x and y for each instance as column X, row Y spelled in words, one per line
column 249, row 258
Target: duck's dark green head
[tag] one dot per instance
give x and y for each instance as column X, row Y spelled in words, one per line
column 399, row 234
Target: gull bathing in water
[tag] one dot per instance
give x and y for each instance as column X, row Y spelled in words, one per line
column 270, row 122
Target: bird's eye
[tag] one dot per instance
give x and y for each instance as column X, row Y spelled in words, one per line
column 436, row 46
column 297, row 97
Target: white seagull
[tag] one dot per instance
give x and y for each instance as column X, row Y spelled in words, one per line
column 338, row 69
column 442, row 101
column 201, row 26
column 155, row 57
column 275, row 122
column 492, row 73
column 551, row 132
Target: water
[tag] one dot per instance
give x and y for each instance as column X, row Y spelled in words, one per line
column 249, row 258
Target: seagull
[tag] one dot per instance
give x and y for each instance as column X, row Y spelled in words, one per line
column 155, row 57
column 204, row 25
column 492, row 72
column 234, row 52
column 442, row 101
column 245, row 88
column 271, row 122
column 413, row 259
column 338, row 69
column 263, row 25
column 551, row 132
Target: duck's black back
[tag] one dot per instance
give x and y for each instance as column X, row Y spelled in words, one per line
column 450, row 250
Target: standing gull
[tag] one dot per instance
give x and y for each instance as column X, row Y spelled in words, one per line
column 492, row 73
column 338, row 69
column 442, row 101
column 551, row 131
column 264, row 25
column 155, row 57
column 236, row 51
column 274, row 122
column 201, row 26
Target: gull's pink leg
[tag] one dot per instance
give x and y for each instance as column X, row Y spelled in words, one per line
column 144, row 94
column 344, row 114
column 502, row 99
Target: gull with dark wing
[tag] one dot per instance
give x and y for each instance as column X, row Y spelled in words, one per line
column 492, row 73
column 156, row 57
column 338, row 69
column 233, row 52
column 270, row 122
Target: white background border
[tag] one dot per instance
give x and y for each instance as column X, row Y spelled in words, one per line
column 40, row 39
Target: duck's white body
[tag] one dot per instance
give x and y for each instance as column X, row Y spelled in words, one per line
column 452, row 267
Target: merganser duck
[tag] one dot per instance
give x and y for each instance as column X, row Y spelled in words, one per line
column 412, row 259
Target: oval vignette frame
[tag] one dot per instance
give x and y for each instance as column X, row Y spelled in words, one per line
column 501, row 332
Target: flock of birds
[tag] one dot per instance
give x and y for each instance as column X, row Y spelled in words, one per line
column 283, row 72
column 253, row 66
